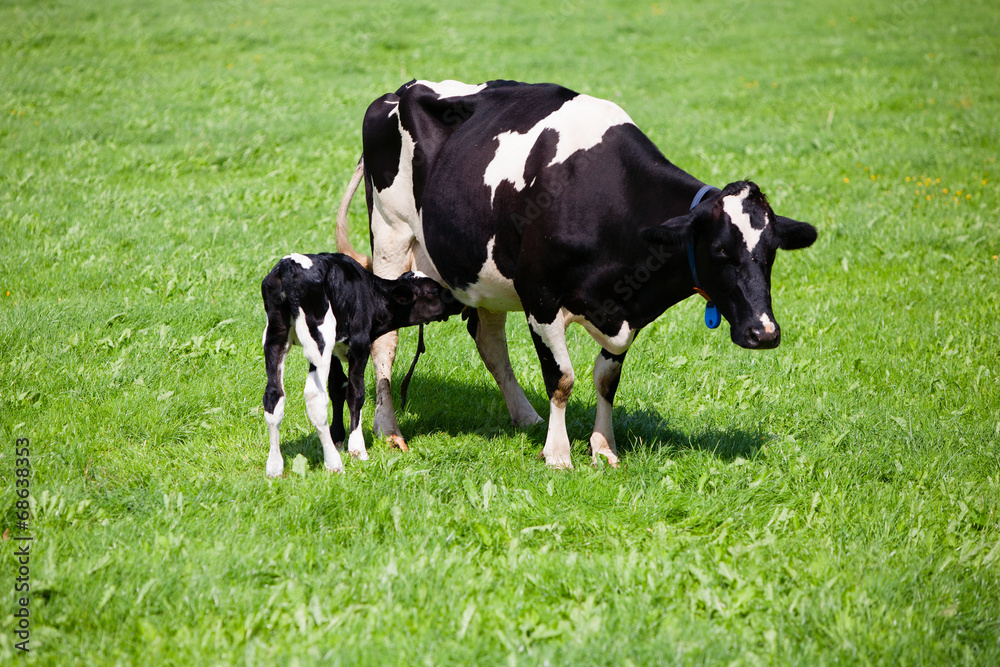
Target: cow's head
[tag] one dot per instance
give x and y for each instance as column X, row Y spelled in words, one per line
column 422, row 299
column 735, row 237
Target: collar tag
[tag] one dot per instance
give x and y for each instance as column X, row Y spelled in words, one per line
column 712, row 317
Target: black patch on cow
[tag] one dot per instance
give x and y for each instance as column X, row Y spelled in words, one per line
column 382, row 142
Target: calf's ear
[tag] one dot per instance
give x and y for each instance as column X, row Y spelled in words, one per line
column 793, row 234
column 402, row 294
column 674, row 231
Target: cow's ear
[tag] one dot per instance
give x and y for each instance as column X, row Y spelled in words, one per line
column 675, row 231
column 403, row 294
column 793, row 234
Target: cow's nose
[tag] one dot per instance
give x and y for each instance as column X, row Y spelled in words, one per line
column 763, row 336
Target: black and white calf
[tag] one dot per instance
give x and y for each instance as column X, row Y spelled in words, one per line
column 334, row 308
column 533, row 197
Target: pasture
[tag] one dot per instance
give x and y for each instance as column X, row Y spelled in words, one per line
column 836, row 500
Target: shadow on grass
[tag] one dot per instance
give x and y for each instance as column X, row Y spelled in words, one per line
column 441, row 405
column 306, row 445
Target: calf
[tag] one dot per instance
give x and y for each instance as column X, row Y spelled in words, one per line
column 334, row 309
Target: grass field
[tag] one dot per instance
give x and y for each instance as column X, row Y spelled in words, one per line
column 836, row 500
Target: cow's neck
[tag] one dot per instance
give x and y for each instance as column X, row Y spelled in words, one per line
column 673, row 281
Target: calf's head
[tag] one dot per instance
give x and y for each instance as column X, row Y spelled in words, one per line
column 418, row 299
column 735, row 237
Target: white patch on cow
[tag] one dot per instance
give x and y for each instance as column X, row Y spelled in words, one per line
column 356, row 443
column 581, row 123
column 396, row 225
column 768, row 323
column 551, row 334
column 451, row 88
column 492, row 289
column 301, row 260
column 733, row 206
column 615, row 344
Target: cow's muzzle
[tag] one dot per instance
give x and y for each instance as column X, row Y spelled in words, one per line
column 760, row 337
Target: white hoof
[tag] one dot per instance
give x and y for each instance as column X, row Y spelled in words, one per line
column 275, row 466
column 599, row 446
column 559, row 462
column 356, row 445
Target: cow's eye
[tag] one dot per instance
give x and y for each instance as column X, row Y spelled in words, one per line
column 719, row 251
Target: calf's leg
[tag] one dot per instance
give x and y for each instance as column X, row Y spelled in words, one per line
column 319, row 351
column 276, row 344
column 355, row 400
column 337, row 387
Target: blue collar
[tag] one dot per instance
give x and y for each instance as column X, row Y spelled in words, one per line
column 701, row 195
column 712, row 317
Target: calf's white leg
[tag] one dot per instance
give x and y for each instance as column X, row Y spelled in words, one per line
column 276, row 343
column 319, row 353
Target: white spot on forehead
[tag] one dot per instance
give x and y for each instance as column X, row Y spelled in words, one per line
column 419, row 274
column 733, row 206
column 581, row 123
column 768, row 323
column 451, row 88
column 301, row 260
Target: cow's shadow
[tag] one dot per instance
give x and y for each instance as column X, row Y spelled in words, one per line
column 482, row 411
column 440, row 405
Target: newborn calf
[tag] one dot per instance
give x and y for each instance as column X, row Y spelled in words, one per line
column 334, row 309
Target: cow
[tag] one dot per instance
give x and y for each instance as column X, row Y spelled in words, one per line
column 536, row 198
column 334, row 309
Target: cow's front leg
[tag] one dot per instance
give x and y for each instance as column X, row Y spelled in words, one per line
column 355, row 400
column 607, row 372
column 491, row 341
column 557, row 370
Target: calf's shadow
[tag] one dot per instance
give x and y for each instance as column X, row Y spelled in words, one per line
column 439, row 405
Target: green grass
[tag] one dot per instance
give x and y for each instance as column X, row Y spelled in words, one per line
column 832, row 501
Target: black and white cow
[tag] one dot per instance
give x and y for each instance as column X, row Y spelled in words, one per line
column 533, row 197
column 334, row 309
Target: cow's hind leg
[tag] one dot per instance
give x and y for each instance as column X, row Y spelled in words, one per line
column 391, row 258
column 276, row 344
column 557, row 370
column 491, row 341
column 607, row 372
column 319, row 353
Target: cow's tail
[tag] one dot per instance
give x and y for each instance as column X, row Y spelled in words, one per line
column 343, row 240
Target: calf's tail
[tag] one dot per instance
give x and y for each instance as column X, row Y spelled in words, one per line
column 343, row 240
